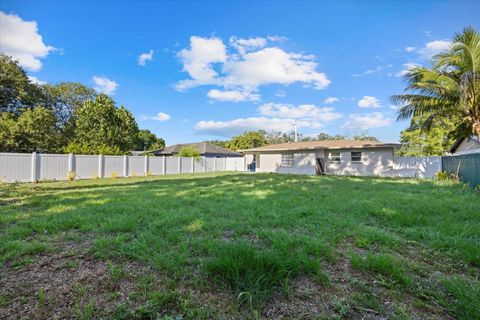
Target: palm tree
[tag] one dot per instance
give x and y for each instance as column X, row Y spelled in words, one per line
column 448, row 90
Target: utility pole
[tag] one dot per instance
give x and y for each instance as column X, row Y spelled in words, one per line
column 295, row 129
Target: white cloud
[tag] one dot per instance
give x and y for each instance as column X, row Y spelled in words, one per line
column 273, row 65
column 161, row 116
column 366, row 121
column 36, row 80
column 406, row 68
column 369, row 102
column 104, row 85
column 208, row 63
column 410, row 49
column 331, row 100
column 233, row 95
column 197, row 61
column 435, row 47
column 21, row 40
column 233, row 127
column 144, row 57
column 307, row 112
column 244, row 45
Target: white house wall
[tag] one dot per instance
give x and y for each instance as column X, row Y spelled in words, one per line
column 374, row 162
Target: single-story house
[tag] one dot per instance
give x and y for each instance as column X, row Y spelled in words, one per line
column 466, row 145
column 206, row 149
column 336, row 157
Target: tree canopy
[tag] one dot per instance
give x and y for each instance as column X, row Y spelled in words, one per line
column 65, row 117
column 450, row 89
column 247, row 140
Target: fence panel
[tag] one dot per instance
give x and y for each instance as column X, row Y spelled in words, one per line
column 221, row 164
column 466, row 166
column 85, row 167
column 113, row 165
column 415, row 167
column 52, row 166
column 186, row 165
column 15, row 167
column 234, row 164
column 171, row 165
column 155, row 165
column 209, row 163
column 199, row 165
column 136, row 166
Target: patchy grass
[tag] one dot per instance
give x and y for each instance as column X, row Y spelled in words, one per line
column 240, row 246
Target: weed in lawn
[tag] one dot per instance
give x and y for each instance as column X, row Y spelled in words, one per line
column 116, row 272
column 383, row 264
column 85, row 312
column 41, row 297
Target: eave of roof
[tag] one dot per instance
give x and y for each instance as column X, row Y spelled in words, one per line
column 296, row 146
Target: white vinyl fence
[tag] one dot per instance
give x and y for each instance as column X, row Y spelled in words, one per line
column 24, row 167
column 414, row 167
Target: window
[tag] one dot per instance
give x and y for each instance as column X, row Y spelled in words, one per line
column 335, row 156
column 356, row 156
column 287, row 160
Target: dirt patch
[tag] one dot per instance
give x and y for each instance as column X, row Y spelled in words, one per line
column 65, row 284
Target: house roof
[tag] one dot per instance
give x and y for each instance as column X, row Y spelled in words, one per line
column 204, row 148
column 459, row 141
column 325, row 144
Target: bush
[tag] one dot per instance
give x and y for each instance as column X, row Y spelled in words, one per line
column 189, row 152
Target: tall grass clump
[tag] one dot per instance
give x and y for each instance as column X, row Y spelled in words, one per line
column 462, row 298
column 255, row 274
column 383, row 264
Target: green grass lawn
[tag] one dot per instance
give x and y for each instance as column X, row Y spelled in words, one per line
column 232, row 246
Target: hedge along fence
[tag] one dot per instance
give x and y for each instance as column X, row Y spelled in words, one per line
column 33, row 167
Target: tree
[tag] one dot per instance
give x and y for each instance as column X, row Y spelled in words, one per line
column 99, row 124
column 247, row 140
column 146, row 140
column 189, row 151
column 9, row 132
column 38, row 131
column 17, row 92
column 450, row 89
column 418, row 142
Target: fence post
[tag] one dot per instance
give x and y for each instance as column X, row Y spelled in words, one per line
column 179, row 167
column 70, row 162
column 214, row 164
column 33, row 178
column 125, row 166
column 100, row 165
column 145, row 169
column 164, row 165
column 193, row 165
column 204, row 164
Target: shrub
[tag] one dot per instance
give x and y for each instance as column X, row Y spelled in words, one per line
column 114, row 175
column 71, row 175
column 189, row 152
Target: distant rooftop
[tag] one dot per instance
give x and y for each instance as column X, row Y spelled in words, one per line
column 325, row 144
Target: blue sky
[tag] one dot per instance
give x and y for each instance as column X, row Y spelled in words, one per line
column 210, row 70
